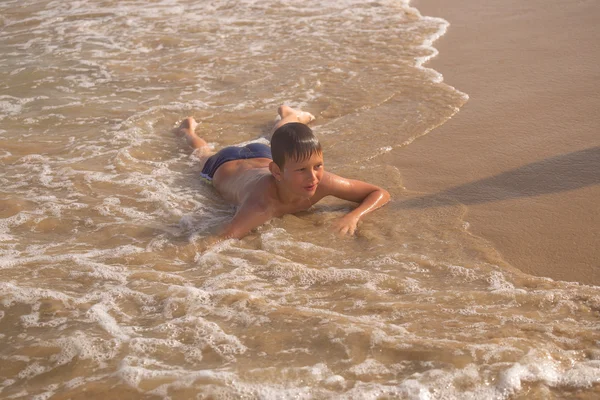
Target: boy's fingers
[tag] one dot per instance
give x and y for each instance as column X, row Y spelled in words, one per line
column 350, row 230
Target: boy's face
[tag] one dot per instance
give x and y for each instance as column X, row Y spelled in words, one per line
column 302, row 177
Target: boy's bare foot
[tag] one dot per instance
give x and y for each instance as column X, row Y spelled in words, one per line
column 302, row 116
column 187, row 127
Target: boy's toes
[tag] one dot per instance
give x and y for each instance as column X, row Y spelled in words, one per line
column 305, row 117
column 188, row 124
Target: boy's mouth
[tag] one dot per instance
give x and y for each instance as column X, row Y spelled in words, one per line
column 310, row 188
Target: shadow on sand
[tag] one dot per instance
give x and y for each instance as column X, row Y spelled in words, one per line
column 552, row 175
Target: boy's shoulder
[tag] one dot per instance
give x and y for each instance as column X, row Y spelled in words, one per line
column 330, row 182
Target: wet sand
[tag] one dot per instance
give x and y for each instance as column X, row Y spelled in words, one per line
column 524, row 153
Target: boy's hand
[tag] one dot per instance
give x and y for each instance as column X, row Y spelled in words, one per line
column 346, row 224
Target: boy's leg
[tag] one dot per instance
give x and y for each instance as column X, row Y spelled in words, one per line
column 187, row 129
column 289, row 114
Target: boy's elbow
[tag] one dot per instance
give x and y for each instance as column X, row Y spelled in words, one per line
column 385, row 196
column 380, row 197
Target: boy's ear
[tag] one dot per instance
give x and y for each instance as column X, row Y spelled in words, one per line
column 275, row 171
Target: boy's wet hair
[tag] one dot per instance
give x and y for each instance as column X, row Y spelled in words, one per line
column 293, row 141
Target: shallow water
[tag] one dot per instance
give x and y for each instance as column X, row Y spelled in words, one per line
column 105, row 286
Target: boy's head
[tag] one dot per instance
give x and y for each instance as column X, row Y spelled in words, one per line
column 297, row 159
column 293, row 141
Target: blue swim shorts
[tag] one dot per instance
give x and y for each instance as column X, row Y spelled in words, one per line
column 232, row 153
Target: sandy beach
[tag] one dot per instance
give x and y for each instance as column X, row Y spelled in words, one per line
column 524, row 153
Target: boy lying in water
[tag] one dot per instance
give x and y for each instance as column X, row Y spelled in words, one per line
column 286, row 178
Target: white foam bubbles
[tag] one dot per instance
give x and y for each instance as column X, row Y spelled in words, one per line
column 369, row 368
column 33, row 320
column 81, row 346
column 99, row 313
column 13, row 294
column 499, row 283
column 11, row 105
column 32, row 370
column 134, row 375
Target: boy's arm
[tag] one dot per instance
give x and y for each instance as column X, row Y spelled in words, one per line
column 250, row 215
column 369, row 196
